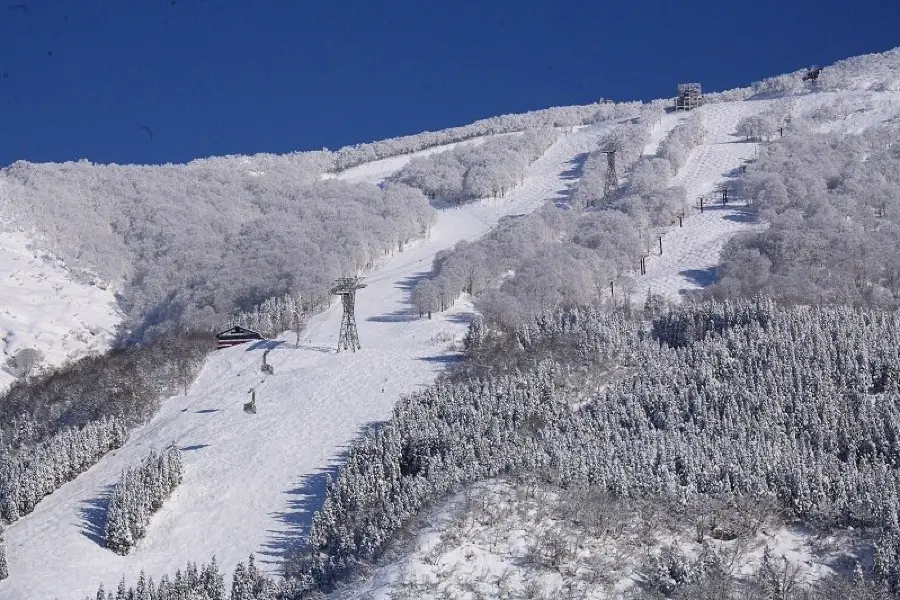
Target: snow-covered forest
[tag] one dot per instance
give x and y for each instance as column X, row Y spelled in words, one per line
column 470, row 173
column 174, row 238
column 717, row 403
column 833, row 210
column 574, row 253
column 194, row 244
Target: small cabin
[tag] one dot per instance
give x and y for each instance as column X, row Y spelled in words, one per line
column 690, row 96
column 236, row 335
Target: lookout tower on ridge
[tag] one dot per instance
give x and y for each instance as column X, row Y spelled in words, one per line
column 690, row 96
column 346, row 287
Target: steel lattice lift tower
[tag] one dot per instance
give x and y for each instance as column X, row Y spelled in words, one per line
column 346, row 287
column 612, row 179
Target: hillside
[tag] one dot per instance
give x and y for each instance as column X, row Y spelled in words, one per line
column 252, row 482
column 263, row 472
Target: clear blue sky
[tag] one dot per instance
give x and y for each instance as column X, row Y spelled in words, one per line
column 81, row 78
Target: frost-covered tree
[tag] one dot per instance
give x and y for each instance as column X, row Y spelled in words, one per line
column 139, row 493
column 471, row 172
column 4, row 567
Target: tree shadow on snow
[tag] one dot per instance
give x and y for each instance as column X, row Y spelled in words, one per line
column 576, row 166
column 701, row 277
column 462, row 318
column 206, row 411
column 743, row 217
column 265, row 345
column 93, row 516
column 193, row 447
column 395, row 317
column 406, row 285
column 303, row 501
column 443, row 358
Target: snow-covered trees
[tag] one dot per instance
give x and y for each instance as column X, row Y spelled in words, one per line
column 833, row 208
column 34, row 471
column 765, row 126
column 677, row 146
column 196, row 243
column 735, row 399
column 628, row 140
column 138, row 494
column 4, row 567
column 195, row 583
column 556, row 257
column 560, row 116
column 471, row 172
column 273, row 316
column 126, row 384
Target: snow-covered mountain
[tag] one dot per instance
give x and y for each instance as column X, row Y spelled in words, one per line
column 49, row 315
column 251, row 482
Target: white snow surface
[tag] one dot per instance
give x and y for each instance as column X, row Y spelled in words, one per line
column 252, row 481
column 43, row 307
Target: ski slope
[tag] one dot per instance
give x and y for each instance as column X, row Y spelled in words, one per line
column 252, row 481
column 691, row 253
column 42, row 306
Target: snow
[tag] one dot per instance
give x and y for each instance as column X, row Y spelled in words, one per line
column 43, row 307
column 498, row 538
column 252, row 481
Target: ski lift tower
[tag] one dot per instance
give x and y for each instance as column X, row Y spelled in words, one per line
column 346, row 287
column 690, row 96
column 612, row 179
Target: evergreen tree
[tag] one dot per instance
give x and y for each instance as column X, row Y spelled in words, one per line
column 4, row 568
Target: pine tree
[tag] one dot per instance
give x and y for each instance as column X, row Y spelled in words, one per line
column 122, row 590
column 241, row 585
column 4, row 568
column 143, row 590
column 212, row 581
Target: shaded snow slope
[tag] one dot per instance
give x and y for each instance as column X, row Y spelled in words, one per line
column 252, row 481
column 43, row 307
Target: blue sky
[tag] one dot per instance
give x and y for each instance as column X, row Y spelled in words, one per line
column 82, row 79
